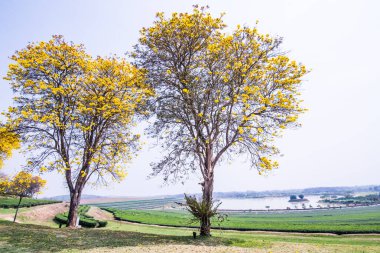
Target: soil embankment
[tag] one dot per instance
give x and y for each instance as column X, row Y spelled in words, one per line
column 38, row 214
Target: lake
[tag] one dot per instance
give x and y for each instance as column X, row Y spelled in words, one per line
column 273, row 202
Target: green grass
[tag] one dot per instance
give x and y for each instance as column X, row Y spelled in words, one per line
column 33, row 238
column 11, row 210
column 340, row 221
column 118, row 235
column 10, row 202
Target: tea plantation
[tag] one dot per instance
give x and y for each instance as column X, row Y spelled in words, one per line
column 339, row 221
column 8, row 202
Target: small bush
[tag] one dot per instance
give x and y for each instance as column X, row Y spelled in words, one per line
column 102, row 223
column 61, row 218
column 88, row 223
column 87, row 216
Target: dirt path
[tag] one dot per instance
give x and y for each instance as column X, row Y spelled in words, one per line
column 45, row 213
column 99, row 214
column 277, row 247
column 175, row 249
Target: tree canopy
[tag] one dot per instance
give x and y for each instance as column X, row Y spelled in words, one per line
column 231, row 93
column 22, row 185
column 217, row 94
column 8, row 142
column 75, row 112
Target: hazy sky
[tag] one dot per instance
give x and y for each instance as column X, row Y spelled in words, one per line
column 339, row 40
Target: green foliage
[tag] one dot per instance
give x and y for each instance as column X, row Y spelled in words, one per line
column 83, row 209
column 85, row 220
column 61, row 218
column 88, row 223
column 102, row 223
column 360, row 200
column 201, row 210
column 339, row 221
column 10, row 202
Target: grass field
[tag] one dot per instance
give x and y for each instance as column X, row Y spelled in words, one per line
column 340, row 221
column 124, row 237
column 121, row 236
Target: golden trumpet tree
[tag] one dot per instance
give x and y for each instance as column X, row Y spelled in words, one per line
column 217, row 94
column 75, row 112
column 8, row 142
column 23, row 184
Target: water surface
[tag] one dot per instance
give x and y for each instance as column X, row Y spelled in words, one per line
column 272, row 202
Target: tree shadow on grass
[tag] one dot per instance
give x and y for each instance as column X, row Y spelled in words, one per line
column 34, row 238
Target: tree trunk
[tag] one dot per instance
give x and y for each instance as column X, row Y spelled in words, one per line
column 208, row 188
column 205, row 226
column 73, row 210
column 14, row 219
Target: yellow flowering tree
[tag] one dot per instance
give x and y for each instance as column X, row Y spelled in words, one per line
column 21, row 185
column 217, row 94
column 75, row 112
column 8, row 142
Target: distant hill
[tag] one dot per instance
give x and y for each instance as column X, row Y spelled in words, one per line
column 337, row 190
column 67, row 197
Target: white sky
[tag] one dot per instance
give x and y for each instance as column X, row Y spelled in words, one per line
column 339, row 40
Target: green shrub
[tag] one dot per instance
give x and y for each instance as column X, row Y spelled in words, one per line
column 102, row 223
column 61, row 218
column 88, row 223
column 83, row 209
column 88, row 216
